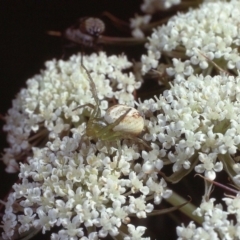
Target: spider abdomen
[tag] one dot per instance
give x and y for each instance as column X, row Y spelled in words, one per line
column 132, row 123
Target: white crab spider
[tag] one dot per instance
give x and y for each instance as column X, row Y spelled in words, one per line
column 120, row 121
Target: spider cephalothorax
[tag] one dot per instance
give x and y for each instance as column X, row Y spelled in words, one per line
column 120, row 121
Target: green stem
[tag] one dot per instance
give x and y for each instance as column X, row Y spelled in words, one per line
column 187, row 209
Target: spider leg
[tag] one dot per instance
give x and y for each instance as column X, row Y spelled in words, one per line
column 84, row 105
column 119, row 150
column 112, row 136
column 118, row 147
column 81, row 141
column 96, row 110
column 108, row 146
column 106, row 130
column 139, row 140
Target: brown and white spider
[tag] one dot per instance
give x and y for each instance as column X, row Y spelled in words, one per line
column 120, row 121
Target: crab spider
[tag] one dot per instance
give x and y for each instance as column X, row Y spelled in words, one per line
column 120, row 121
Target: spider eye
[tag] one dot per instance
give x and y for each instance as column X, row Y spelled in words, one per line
column 132, row 123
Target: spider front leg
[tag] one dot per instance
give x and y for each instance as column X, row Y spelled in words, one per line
column 139, row 140
column 106, row 130
column 84, row 105
column 90, row 105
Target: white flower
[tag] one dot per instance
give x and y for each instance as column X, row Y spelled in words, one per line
column 159, row 190
column 74, row 188
column 211, row 31
column 91, row 236
column 9, row 220
column 150, row 61
column 215, row 225
column 209, row 165
column 72, row 229
column 186, row 232
column 136, row 23
column 233, row 206
column 9, row 225
column 152, row 162
column 139, row 206
column 47, row 219
column 45, row 108
column 198, row 118
column 26, row 220
column 180, row 69
column 135, row 233
column 152, row 6
column 109, row 223
column 205, row 207
column 136, row 183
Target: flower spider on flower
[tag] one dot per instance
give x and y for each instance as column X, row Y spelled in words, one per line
column 119, row 122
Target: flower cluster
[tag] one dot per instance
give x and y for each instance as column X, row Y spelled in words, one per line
column 216, row 224
column 69, row 182
column 45, row 108
column 210, row 31
column 137, row 23
column 197, row 119
column 79, row 189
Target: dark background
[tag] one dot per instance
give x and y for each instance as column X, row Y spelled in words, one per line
column 25, row 46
